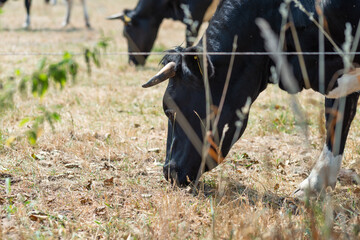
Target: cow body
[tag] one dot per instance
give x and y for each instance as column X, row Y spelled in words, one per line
column 66, row 21
column 185, row 94
column 142, row 23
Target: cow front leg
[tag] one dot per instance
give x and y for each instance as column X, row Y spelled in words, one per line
column 86, row 15
column 339, row 115
column 69, row 4
column 27, row 20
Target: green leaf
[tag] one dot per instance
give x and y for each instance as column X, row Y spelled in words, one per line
column 108, row 205
column 17, row 72
column 32, row 137
column 42, row 64
column 67, row 56
column 58, row 74
column 95, row 56
column 23, row 85
column 43, row 84
column 24, row 121
column 10, row 140
column 8, row 186
column 35, row 83
column 56, row 116
column 43, row 77
column 87, row 56
column 73, row 69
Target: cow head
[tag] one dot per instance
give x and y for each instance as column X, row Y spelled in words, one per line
column 140, row 31
column 184, row 104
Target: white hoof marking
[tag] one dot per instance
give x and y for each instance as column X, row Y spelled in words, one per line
column 323, row 174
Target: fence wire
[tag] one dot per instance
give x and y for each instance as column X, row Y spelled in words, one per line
column 175, row 53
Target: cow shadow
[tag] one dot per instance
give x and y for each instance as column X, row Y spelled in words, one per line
column 242, row 194
column 36, row 30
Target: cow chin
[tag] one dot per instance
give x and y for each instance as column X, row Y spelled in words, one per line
column 133, row 61
column 137, row 60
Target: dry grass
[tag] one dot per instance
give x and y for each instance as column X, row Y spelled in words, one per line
column 95, row 178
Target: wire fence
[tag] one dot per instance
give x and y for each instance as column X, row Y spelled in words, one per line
column 176, row 53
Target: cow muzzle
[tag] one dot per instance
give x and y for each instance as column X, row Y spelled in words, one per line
column 173, row 174
column 170, row 172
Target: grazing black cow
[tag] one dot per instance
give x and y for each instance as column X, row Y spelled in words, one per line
column 184, row 100
column 69, row 4
column 142, row 23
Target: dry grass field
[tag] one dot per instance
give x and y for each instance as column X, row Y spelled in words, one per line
column 98, row 175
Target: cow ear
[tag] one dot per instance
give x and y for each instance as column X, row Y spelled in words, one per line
column 193, row 64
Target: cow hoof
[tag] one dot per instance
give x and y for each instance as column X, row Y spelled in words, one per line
column 64, row 24
column 323, row 174
column 305, row 191
column 313, row 186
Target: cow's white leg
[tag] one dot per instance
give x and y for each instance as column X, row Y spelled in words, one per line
column 339, row 114
column 323, row 174
column 27, row 20
column 26, row 24
column 86, row 15
column 347, row 84
column 68, row 12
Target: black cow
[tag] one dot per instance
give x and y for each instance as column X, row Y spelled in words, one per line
column 69, row 4
column 142, row 23
column 184, row 100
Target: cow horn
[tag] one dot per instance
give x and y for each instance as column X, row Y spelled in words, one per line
column 116, row 16
column 164, row 74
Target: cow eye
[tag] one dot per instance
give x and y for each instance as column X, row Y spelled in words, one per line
column 171, row 114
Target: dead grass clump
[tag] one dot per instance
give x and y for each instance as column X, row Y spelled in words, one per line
column 99, row 174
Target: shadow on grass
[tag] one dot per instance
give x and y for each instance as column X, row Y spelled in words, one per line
column 65, row 30
column 238, row 194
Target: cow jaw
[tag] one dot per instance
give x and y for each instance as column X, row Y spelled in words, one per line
column 323, row 174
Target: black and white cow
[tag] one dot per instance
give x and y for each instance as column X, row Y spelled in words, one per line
column 66, row 21
column 184, row 100
column 142, row 23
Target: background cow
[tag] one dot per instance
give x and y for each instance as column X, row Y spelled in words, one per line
column 66, row 21
column 142, row 23
column 184, row 100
